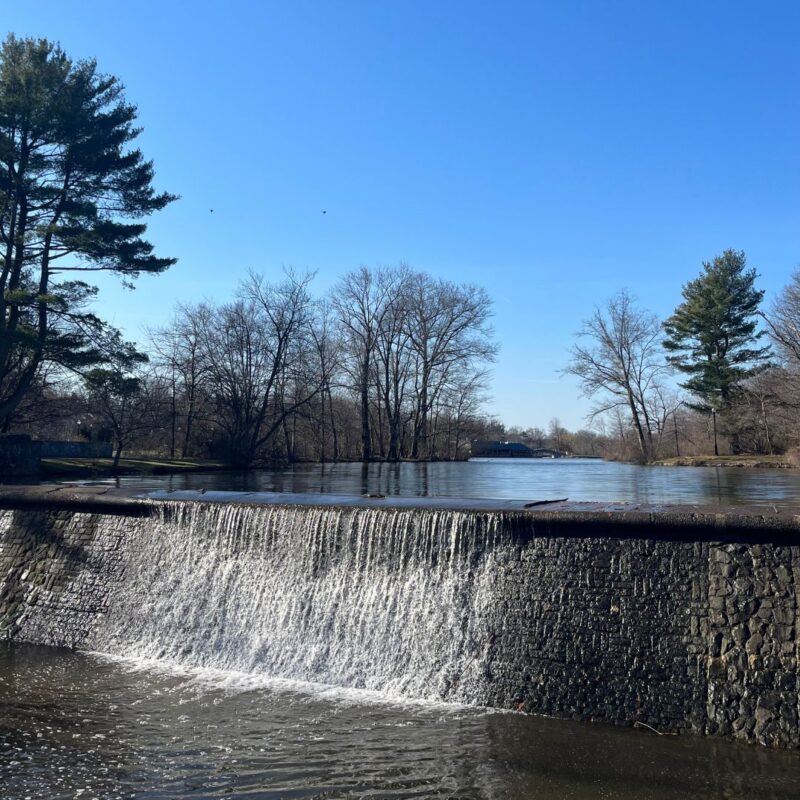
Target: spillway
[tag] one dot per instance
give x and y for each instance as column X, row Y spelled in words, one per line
column 396, row 601
column 679, row 620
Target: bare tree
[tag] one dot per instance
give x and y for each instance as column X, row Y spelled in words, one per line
column 783, row 327
column 621, row 363
column 328, row 350
column 362, row 300
column 121, row 399
column 462, row 400
column 558, row 435
column 260, row 362
column 177, row 356
column 449, row 329
column 663, row 405
column 783, row 320
column 393, row 355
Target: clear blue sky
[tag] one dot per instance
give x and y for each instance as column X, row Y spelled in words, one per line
column 553, row 152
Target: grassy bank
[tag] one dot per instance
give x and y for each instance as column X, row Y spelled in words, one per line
column 99, row 467
column 750, row 462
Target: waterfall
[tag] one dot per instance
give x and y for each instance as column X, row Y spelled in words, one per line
column 397, row 601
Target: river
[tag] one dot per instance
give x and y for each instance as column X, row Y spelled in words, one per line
column 516, row 479
column 91, row 727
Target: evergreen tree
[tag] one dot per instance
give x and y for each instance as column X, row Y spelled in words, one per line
column 73, row 191
column 712, row 336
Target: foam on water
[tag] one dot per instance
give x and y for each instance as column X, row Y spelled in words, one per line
column 234, row 682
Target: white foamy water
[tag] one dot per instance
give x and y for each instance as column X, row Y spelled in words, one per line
column 234, row 682
column 393, row 602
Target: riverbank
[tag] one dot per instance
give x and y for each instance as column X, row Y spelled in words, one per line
column 742, row 461
column 155, row 465
column 104, row 467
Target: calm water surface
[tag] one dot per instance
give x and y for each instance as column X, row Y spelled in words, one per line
column 82, row 726
column 518, row 479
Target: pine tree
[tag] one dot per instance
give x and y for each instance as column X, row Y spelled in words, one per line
column 712, row 337
column 73, row 192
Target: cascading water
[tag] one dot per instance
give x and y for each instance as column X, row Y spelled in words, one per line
column 397, row 601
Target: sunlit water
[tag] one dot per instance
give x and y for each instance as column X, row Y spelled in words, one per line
column 519, row 479
column 85, row 726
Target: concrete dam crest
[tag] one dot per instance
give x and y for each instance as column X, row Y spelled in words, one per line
column 681, row 620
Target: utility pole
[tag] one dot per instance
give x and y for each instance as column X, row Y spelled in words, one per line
column 714, row 422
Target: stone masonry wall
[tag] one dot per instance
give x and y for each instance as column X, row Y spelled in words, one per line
column 57, row 572
column 612, row 629
column 675, row 633
column 753, row 639
column 680, row 636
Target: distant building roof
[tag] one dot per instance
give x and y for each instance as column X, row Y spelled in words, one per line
column 487, row 449
column 500, row 449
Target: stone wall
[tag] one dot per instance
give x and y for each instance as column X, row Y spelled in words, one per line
column 753, row 641
column 679, row 636
column 58, row 449
column 692, row 628
column 57, row 572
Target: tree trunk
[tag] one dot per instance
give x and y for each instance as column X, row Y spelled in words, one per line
column 173, row 421
column 421, row 422
column 637, row 424
column 766, row 428
column 334, row 434
column 366, row 435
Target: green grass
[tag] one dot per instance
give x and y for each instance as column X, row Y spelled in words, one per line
column 83, row 467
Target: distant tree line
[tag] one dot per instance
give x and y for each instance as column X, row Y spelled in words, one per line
column 391, row 364
column 719, row 375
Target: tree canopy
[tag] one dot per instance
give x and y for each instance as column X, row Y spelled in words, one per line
column 712, row 337
column 73, row 193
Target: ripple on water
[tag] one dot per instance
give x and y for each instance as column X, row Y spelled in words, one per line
column 84, row 726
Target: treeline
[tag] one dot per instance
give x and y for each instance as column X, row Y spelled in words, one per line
column 391, row 364
column 721, row 374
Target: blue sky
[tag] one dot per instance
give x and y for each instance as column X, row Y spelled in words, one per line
column 553, row 152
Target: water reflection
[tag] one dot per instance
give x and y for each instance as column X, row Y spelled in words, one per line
column 534, row 479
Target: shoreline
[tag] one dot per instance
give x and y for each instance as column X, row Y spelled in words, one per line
column 737, row 462
column 142, row 465
column 61, row 468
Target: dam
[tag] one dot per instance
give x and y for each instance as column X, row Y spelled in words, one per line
column 678, row 620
